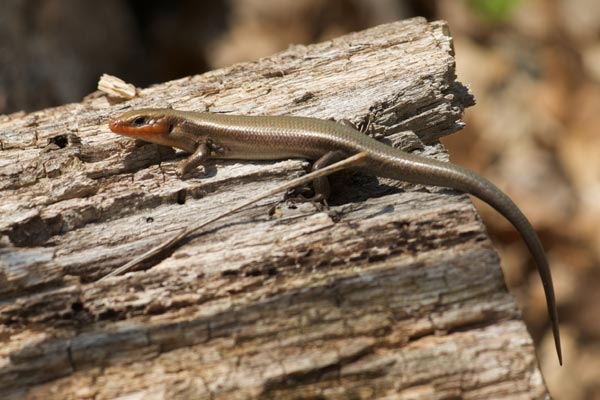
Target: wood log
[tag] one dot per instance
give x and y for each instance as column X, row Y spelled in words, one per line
column 394, row 291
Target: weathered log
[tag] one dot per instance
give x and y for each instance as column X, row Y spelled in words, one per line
column 394, row 291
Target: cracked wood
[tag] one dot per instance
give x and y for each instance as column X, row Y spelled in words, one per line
column 394, row 291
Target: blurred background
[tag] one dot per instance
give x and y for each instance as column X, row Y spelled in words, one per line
column 533, row 66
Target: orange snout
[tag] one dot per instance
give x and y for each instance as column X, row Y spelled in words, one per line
column 154, row 127
column 115, row 125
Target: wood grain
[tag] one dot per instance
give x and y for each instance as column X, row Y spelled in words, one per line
column 392, row 292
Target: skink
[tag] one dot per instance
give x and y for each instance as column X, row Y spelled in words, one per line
column 209, row 135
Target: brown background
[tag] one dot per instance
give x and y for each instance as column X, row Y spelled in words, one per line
column 533, row 65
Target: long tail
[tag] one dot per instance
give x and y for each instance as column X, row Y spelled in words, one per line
column 426, row 171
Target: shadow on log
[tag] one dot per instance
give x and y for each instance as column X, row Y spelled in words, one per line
column 395, row 291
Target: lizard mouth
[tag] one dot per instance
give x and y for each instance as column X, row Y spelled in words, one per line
column 151, row 127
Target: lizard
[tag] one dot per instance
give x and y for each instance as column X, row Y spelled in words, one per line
column 209, row 135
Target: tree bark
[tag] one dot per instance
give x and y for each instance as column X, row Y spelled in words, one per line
column 393, row 292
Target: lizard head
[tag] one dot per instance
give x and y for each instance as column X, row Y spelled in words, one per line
column 150, row 125
column 162, row 126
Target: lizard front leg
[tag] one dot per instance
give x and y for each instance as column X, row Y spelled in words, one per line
column 201, row 154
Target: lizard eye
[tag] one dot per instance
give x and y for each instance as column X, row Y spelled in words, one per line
column 139, row 121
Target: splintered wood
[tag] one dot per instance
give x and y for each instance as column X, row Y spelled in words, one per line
column 394, row 291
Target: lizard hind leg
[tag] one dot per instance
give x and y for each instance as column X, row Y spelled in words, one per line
column 320, row 185
column 321, row 189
